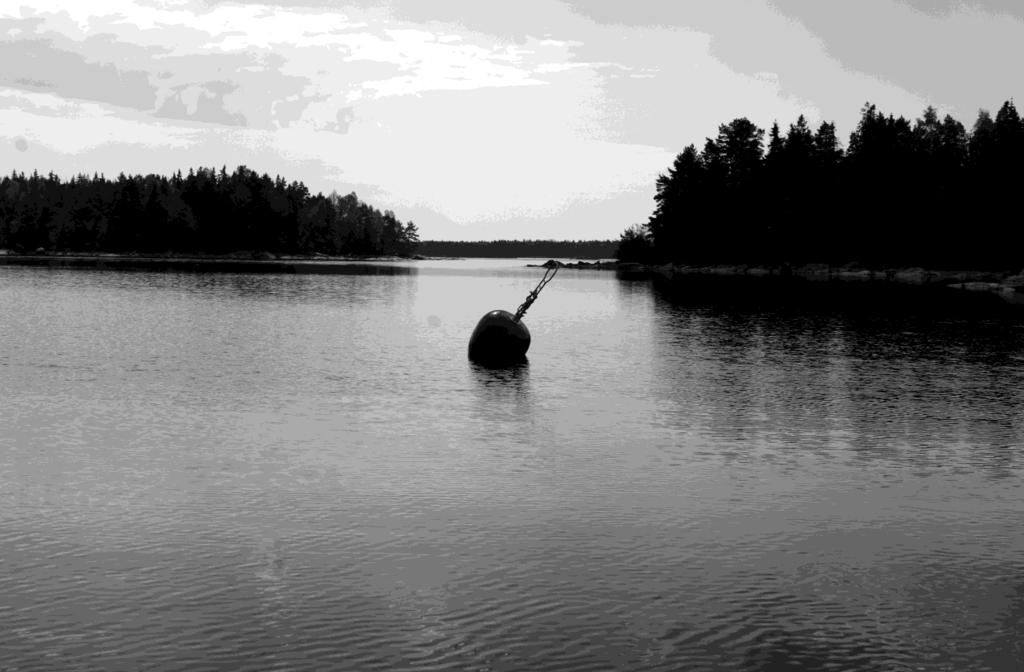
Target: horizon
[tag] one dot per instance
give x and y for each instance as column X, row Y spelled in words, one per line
column 544, row 121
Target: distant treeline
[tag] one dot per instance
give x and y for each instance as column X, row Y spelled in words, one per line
column 205, row 211
column 564, row 249
column 924, row 193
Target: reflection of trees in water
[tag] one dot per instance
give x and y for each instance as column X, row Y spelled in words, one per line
column 636, row 288
column 937, row 389
column 357, row 284
column 932, row 386
column 751, row 377
column 634, row 298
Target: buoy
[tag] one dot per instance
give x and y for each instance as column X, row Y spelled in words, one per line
column 501, row 337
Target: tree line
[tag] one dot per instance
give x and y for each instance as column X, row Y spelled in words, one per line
column 205, row 212
column 563, row 249
column 924, row 193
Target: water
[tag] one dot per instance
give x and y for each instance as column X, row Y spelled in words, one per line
column 280, row 472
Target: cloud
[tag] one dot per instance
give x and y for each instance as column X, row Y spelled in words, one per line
column 42, row 66
column 201, row 102
column 71, row 137
column 506, row 22
column 74, row 127
column 270, row 55
column 946, row 7
column 957, row 56
column 713, row 62
column 343, row 120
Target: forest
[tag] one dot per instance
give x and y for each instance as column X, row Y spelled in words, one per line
column 927, row 193
column 204, row 212
column 552, row 249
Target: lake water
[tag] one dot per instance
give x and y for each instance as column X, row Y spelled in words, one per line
column 293, row 472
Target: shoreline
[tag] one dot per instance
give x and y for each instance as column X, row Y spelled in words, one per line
column 230, row 263
column 1006, row 285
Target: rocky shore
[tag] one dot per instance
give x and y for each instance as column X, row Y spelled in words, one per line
column 1007, row 286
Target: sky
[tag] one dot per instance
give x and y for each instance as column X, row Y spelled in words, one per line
column 476, row 119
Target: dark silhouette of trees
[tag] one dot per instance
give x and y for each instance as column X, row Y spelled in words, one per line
column 923, row 193
column 207, row 211
column 635, row 244
column 673, row 209
column 738, row 163
column 796, row 169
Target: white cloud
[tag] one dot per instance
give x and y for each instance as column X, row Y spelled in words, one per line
column 545, row 68
column 74, row 127
column 426, row 60
column 428, row 64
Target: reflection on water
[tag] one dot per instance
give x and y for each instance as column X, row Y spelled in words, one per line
column 501, row 387
column 503, row 404
column 513, row 376
column 289, row 472
column 931, row 389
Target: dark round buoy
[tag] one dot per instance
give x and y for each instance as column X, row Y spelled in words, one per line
column 499, row 337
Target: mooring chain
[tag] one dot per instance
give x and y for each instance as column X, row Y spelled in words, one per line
column 533, row 295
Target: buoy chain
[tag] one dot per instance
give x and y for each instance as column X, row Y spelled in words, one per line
column 549, row 274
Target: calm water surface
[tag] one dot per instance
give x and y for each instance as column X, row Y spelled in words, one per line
column 273, row 472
